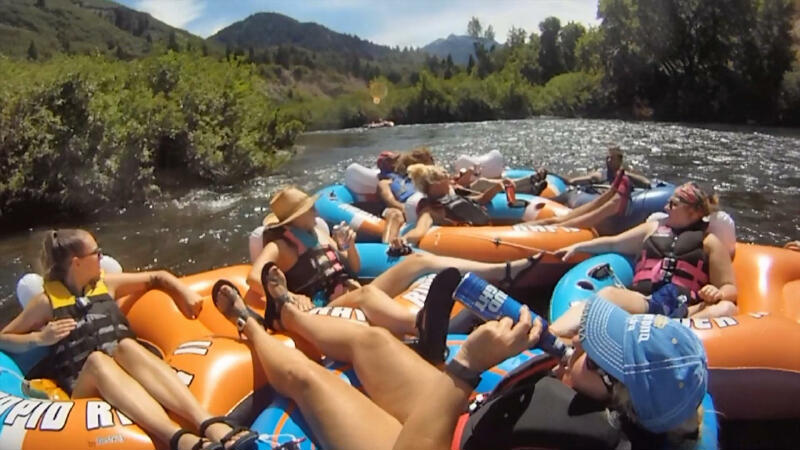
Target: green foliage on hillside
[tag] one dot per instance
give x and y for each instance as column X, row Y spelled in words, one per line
column 84, row 27
column 79, row 133
column 724, row 61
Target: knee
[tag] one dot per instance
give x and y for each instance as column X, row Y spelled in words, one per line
column 98, row 364
column 725, row 308
column 393, row 215
column 376, row 337
column 299, row 378
column 126, row 347
column 608, row 292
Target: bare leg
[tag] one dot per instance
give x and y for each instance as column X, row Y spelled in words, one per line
column 393, row 376
column 380, row 309
column 397, row 279
column 631, row 301
column 338, row 414
column 161, row 382
column 102, row 376
column 723, row 308
column 568, row 324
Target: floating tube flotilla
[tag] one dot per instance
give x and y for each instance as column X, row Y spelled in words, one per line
column 754, row 366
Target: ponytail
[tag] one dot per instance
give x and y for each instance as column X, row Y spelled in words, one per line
column 57, row 249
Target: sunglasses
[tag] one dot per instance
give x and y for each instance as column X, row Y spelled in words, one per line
column 96, row 252
column 608, row 380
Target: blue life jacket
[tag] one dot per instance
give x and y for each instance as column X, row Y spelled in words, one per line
column 402, row 187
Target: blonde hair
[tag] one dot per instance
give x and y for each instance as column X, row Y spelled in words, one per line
column 424, row 175
column 688, row 429
column 419, row 155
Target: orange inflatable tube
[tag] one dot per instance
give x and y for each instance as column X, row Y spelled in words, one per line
column 753, row 357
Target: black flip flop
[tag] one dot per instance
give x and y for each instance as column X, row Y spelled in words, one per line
column 249, row 312
column 244, row 442
column 272, row 313
column 202, row 444
column 434, row 317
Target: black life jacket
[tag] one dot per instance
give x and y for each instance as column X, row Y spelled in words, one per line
column 317, row 269
column 458, row 210
column 100, row 326
column 673, row 256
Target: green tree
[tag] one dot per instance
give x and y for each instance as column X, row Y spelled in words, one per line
column 33, row 53
column 549, row 54
column 489, row 34
column 172, row 42
column 516, row 37
column 568, row 38
column 474, row 28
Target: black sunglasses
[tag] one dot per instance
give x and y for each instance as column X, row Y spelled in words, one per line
column 96, row 252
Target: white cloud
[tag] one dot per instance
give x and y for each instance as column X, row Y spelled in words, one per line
column 177, row 13
column 420, row 30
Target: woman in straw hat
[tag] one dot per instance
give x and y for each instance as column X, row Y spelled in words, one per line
column 409, row 404
column 319, row 270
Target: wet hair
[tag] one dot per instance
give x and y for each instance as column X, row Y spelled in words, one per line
column 424, row 175
column 420, row 155
column 58, row 248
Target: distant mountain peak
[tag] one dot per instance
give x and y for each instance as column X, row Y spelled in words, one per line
column 267, row 29
column 459, row 47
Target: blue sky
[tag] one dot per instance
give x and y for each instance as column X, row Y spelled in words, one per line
column 403, row 23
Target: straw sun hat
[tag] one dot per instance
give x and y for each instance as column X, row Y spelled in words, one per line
column 287, row 205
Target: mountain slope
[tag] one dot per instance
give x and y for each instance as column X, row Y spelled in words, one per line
column 270, row 29
column 81, row 26
column 458, row 47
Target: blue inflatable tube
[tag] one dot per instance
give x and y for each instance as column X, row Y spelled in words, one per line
column 587, row 278
column 375, row 260
column 593, row 274
column 336, row 204
column 282, row 422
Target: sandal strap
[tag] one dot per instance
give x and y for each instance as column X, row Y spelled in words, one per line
column 236, row 430
column 211, row 421
column 173, row 441
column 231, row 311
column 201, row 445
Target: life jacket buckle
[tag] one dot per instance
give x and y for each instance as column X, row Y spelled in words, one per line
column 668, row 264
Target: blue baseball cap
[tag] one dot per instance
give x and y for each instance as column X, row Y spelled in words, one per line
column 661, row 362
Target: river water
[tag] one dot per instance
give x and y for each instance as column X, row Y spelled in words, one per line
column 755, row 171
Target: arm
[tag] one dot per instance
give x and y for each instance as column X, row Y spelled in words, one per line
column 385, row 193
column 487, row 195
column 424, row 223
column 269, row 254
column 189, row 302
column 25, row 332
column 721, row 272
column 431, row 423
column 628, row 242
column 593, row 177
column 639, row 180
